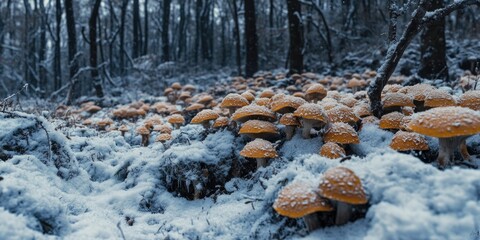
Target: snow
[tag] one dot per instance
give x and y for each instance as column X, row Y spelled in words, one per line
column 117, row 182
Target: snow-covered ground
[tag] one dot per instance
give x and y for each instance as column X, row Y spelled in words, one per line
column 93, row 185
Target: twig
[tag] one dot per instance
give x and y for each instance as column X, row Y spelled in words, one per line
column 121, row 231
column 4, row 101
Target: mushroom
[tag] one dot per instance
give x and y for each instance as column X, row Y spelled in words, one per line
column 259, row 129
column 438, row 98
column 408, row 141
column 393, row 102
column 248, row 95
column 315, row 92
column 418, row 92
column 341, row 133
column 451, row 125
column 287, row 104
column 291, row 123
column 204, row 117
column 145, row 133
column 259, row 149
column 176, row 120
column 123, row 129
column 299, row 200
column 470, row 99
column 345, row 189
column 233, row 102
column 220, row 122
column 391, row 121
column 163, row 137
column 332, row 150
column 343, row 114
column 253, row 112
column 312, row 115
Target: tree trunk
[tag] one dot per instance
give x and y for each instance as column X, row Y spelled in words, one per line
column 236, row 33
column 57, row 62
column 182, row 38
column 295, row 28
column 92, row 24
column 42, row 50
column 433, row 61
column 165, row 31
column 145, row 40
column 136, row 46
column 123, row 15
column 251, row 64
column 74, row 90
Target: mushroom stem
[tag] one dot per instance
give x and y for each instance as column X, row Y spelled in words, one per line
column 176, row 125
column 261, row 162
column 145, row 140
column 206, row 124
column 312, row 222
column 447, row 146
column 343, row 213
column 197, row 190
column 289, row 131
column 307, row 127
column 464, row 151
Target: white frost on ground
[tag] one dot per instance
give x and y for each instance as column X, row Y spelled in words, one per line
column 115, row 181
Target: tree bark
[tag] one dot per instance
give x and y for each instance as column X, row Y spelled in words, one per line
column 165, row 31
column 145, row 35
column 137, row 39
column 123, row 15
column 92, row 24
column 42, row 51
column 251, row 64
column 236, row 33
column 295, row 28
column 57, row 62
column 433, row 61
column 74, row 90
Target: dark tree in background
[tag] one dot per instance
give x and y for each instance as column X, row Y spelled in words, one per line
column 123, row 16
column 251, row 65
column 74, row 91
column 295, row 29
column 137, row 34
column 433, row 61
column 165, row 35
column 92, row 24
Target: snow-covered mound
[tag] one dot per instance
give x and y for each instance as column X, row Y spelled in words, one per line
column 120, row 189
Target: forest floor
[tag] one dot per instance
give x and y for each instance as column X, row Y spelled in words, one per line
column 64, row 177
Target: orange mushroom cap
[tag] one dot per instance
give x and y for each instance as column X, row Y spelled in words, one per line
column 470, row 99
column 311, row 111
column 445, row 122
column 289, row 120
column 332, row 150
column 204, row 116
column 257, row 127
column 287, row 104
column 391, row 120
column 253, row 112
column 439, row 98
column 341, row 133
column 341, row 184
column 234, row 100
column 406, row 141
column 299, row 199
column 259, row 148
column 176, row 118
column 220, row 122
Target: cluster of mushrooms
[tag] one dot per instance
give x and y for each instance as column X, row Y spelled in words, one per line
column 269, row 109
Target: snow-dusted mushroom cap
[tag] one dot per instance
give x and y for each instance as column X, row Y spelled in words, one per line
column 418, row 92
column 168, row 91
column 341, row 133
column 362, row 110
column 189, row 88
column 397, row 99
column 262, row 102
column 311, row 111
column 335, row 95
column 348, row 101
column 286, row 104
column 328, row 103
column 184, row 95
column 162, row 128
column 259, row 148
column 407, row 111
column 204, row 116
column 176, row 118
column 123, row 128
column 92, row 108
column 391, row 120
column 205, row 99
column 105, row 122
column 354, row 83
column 234, row 100
column 445, row 122
column 267, row 93
column 289, row 120
column 248, row 95
column 316, row 91
column 155, row 120
column 163, row 137
column 406, row 141
column 439, row 98
column 299, row 199
column 142, row 130
column 470, row 99
column 404, row 123
column 176, row 85
column 220, row 122
column 391, row 88
column 341, row 184
column 342, row 113
column 299, row 94
column 195, row 107
column 253, row 112
column 332, row 150
column 258, row 126
column 310, row 75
